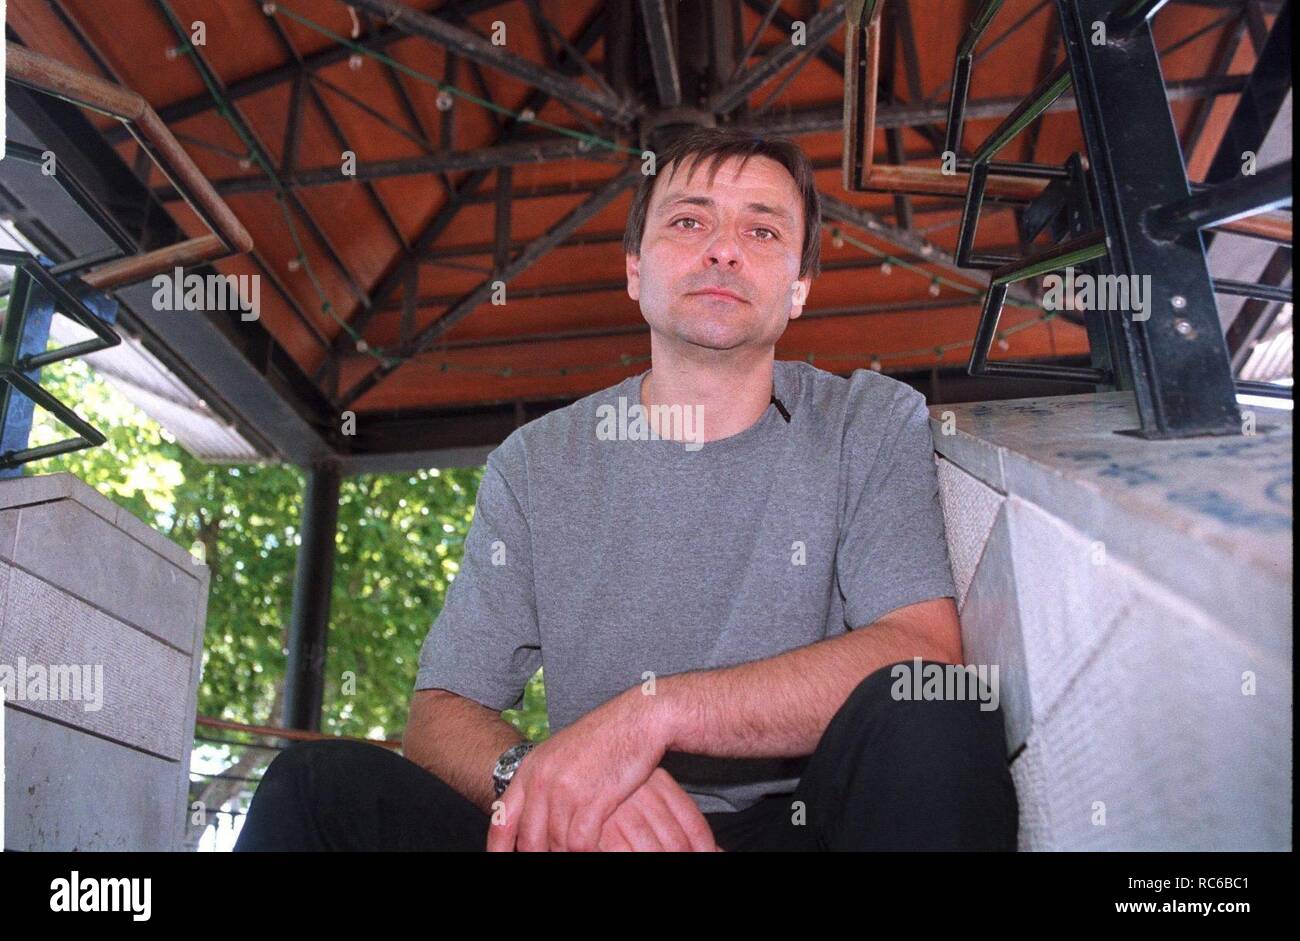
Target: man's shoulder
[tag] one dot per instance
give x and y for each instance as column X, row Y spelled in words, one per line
column 562, row 430
column 863, row 396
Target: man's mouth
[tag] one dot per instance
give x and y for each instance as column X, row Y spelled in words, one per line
column 720, row 292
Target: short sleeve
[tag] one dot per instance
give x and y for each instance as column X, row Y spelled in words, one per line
column 484, row 645
column 892, row 550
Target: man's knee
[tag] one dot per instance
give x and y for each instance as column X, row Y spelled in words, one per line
column 320, row 756
column 925, row 702
column 939, row 754
column 307, row 770
column 933, row 734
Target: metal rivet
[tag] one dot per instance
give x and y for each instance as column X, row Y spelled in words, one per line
column 1178, row 301
column 1185, row 328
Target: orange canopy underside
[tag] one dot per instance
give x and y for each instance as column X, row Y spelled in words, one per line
column 517, row 351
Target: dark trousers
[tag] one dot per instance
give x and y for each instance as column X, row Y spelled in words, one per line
column 888, row 774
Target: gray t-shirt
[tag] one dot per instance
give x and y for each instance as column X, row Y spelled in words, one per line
column 605, row 560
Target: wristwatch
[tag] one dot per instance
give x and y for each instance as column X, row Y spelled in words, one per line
column 508, row 764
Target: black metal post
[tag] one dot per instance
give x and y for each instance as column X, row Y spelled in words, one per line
column 304, row 681
column 1182, row 378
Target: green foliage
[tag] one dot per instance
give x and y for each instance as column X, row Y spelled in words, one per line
column 400, row 540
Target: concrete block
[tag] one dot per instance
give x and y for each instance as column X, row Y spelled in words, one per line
column 1157, row 728
column 992, row 632
column 969, row 508
column 66, row 790
column 145, row 687
column 68, row 545
column 1035, row 831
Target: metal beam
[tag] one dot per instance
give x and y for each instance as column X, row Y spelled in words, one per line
column 619, row 285
column 202, row 103
column 1255, row 316
column 501, row 252
column 275, row 404
column 1261, row 99
column 588, row 36
column 484, row 158
column 663, row 56
column 539, row 247
column 306, row 81
column 820, row 29
column 1238, row 198
column 784, row 21
column 1179, row 362
column 475, row 48
column 818, row 119
column 206, row 71
column 1046, row 62
column 1224, row 53
column 839, row 211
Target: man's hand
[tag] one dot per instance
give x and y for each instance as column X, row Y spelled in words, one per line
column 570, row 784
column 659, row 816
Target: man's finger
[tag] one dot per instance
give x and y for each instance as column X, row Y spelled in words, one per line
column 638, row 830
column 612, row 838
column 672, row 835
column 532, row 823
column 587, row 822
column 688, row 814
column 558, row 816
column 501, row 836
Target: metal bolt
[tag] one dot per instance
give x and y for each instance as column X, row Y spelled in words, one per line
column 1185, row 328
column 1178, row 301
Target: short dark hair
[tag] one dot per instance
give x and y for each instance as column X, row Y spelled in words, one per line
column 717, row 145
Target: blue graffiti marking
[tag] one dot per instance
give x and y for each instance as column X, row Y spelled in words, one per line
column 1225, row 509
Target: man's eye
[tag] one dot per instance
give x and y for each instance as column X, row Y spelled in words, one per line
column 686, row 219
column 769, row 232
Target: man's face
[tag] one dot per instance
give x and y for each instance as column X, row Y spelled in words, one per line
column 720, row 258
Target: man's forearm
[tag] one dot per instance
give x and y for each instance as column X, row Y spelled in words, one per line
column 459, row 740
column 780, row 706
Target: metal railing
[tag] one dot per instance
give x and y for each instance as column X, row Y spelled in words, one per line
column 68, row 283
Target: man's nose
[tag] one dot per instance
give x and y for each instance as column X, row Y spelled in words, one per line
column 724, row 249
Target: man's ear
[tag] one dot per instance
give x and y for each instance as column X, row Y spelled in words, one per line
column 799, row 296
column 633, row 276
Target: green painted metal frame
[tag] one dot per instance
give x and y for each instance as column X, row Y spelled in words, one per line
column 28, row 274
